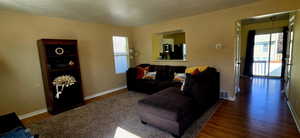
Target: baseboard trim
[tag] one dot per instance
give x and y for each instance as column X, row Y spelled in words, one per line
column 225, row 96
column 104, row 92
column 34, row 113
column 44, row 110
column 296, row 119
column 229, row 98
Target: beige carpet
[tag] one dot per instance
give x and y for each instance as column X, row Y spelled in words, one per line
column 114, row 117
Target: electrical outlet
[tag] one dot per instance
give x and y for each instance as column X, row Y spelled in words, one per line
column 223, row 95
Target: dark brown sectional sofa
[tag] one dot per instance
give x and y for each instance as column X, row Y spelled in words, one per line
column 173, row 110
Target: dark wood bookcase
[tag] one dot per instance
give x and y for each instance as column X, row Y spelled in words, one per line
column 60, row 57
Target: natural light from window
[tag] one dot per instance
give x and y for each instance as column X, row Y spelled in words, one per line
column 120, row 49
column 122, row 133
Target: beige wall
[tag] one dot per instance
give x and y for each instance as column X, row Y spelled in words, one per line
column 204, row 31
column 20, row 73
column 294, row 93
column 156, row 41
column 258, row 27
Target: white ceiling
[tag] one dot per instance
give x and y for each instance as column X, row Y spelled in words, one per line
column 118, row 12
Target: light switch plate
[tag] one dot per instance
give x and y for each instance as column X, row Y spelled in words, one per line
column 219, row 46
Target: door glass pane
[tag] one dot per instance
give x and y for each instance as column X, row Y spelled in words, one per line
column 261, row 55
column 276, row 55
column 268, row 50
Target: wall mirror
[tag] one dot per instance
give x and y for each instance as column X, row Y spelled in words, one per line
column 169, row 46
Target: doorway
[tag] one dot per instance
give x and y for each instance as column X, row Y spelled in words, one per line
column 267, row 55
column 262, row 47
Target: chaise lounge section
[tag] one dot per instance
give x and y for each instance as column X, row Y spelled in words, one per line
column 174, row 110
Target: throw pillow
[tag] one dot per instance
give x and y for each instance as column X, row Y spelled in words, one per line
column 190, row 70
column 141, row 72
column 179, row 77
column 195, row 72
column 150, row 76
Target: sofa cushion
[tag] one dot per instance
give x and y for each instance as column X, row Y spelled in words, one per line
column 163, row 72
column 169, row 104
column 200, row 87
column 143, row 65
column 176, row 69
column 147, row 82
column 187, row 85
column 151, row 86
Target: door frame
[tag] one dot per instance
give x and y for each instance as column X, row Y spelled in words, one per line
column 237, row 56
column 289, row 57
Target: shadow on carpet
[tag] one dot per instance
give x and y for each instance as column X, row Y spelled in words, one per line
column 114, row 117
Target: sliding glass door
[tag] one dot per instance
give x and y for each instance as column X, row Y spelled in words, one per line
column 267, row 60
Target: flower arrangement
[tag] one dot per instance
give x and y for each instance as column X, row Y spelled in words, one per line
column 61, row 82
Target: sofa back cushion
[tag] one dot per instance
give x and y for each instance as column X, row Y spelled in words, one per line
column 200, row 87
column 176, row 69
column 162, row 72
column 165, row 72
column 186, row 86
column 143, row 65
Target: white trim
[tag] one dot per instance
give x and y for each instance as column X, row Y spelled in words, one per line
column 104, row 92
column 37, row 112
column 296, row 119
column 229, row 98
column 34, row 113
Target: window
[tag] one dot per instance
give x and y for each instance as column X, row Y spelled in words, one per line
column 120, row 49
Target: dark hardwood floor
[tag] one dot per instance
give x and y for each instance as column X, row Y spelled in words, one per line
column 260, row 110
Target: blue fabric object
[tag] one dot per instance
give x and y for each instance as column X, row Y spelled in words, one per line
column 17, row 133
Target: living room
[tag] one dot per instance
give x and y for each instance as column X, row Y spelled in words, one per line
column 210, row 39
